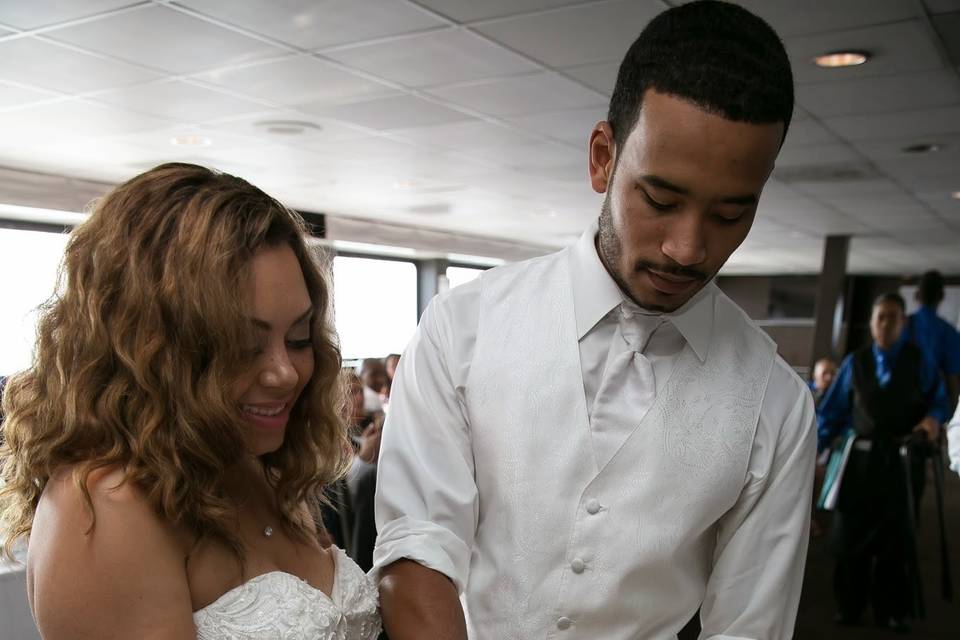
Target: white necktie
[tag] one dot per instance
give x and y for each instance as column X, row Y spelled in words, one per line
column 628, row 388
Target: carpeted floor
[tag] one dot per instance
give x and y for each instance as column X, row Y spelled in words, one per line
column 815, row 621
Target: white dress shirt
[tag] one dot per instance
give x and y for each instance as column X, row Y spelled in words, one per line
column 953, row 440
column 742, row 560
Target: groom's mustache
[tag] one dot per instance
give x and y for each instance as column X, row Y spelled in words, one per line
column 670, row 270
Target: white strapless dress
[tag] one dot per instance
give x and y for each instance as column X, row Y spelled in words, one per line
column 281, row 606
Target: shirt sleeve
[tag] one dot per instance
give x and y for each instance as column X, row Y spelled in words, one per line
column 426, row 504
column 935, row 391
column 951, row 364
column 833, row 414
column 953, row 440
column 754, row 588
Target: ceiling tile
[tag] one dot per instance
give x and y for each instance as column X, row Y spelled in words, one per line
column 826, row 191
column 601, row 76
column 941, row 201
column 435, row 58
column 146, row 36
column 924, row 173
column 309, row 24
column 893, row 148
column 926, row 89
column 795, row 156
column 178, row 101
column 947, row 26
column 942, row 6
column 943, row 236
column 470, row 134
column 398, row 112
column 808, row 132
column 577, row 35
column 918, row 123
column 531, row 154
column 570, row 125
column 912, row 220
column 901, row 47
column 13, row 95
column 157, row 141
column 297, row 80
column 521, row 95
column 470, row 10
column 40, row 13
column 43, row 64
column 317, row 133
column 70, row 119
column 811, row 16
column 866, row 206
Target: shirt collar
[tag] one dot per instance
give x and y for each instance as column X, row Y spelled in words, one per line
column 929, row 312
column 889, row 355
column 595, row 293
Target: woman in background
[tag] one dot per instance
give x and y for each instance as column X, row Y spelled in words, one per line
column 166, row 452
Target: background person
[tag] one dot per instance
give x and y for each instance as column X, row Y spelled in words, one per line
column 887, row 391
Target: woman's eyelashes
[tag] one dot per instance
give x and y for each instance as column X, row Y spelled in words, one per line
column 302, row 343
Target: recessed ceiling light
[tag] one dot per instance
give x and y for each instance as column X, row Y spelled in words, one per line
column 923, row 147
column 287, row 127
column 191, row 141
column 955, row 195
column 841, row 59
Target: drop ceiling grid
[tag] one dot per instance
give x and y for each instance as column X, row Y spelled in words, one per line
column 836, row 134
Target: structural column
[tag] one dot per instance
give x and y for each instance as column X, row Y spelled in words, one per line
column 828, row 314
column 428, row 279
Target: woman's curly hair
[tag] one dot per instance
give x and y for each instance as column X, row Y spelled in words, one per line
column 137, row 350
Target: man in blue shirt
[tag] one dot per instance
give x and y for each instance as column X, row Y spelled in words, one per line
column 934, row 335
column 941, row 343
column 888, row 393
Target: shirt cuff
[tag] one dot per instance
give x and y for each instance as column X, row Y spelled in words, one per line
column 425, row 543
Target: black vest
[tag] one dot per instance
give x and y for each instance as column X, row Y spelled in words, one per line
column 893, row 411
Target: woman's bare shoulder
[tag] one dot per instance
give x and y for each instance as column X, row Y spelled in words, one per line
column 118, row 570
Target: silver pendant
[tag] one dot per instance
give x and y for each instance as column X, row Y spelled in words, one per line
column 268, row 531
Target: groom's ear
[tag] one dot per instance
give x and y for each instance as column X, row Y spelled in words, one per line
column 602, row 156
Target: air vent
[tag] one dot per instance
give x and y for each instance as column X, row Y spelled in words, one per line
column 287, row 127
column 430, row 209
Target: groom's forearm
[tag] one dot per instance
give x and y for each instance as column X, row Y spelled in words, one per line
column 417, row 602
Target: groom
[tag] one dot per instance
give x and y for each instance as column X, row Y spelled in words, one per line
column 596, row 443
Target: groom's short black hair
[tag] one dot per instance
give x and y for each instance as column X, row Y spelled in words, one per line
column 714, row 54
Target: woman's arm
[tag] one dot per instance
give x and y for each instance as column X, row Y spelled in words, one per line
column 124, row 579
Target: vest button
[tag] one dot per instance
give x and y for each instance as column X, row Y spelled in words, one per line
column 578, row 565
column 564, row 623
column 593, row 506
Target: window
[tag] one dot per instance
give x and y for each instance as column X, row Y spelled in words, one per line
column 29, row 261
column 457, row 276
column 376, row 305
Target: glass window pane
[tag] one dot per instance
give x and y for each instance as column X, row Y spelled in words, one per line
column 29, row 261
column 376, row 305
column 457, row 276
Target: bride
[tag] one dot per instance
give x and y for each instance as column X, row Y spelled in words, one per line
column 166, row 452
